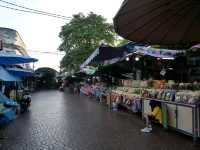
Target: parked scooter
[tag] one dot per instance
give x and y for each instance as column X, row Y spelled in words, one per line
column 25, row 102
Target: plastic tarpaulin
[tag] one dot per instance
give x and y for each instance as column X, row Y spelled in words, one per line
column 6, row 76
column 160, row 53
column 7, row 101
column 20, row 72
column 11, row 58
column 7, row 114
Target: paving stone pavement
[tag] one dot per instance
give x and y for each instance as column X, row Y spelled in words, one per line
column 62, row 121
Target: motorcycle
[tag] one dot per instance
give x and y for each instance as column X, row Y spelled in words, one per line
column 25, row 102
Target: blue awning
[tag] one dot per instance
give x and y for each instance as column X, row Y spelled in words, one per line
column 131, row 46
column 11, row 58
column 20, row 72
column 6, row 76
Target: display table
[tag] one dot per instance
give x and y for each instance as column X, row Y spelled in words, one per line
column 182, row 117
column 97, row 91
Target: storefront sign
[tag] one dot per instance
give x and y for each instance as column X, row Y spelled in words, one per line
column 161, row 53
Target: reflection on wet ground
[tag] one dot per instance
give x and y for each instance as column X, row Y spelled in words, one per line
column 62, row 121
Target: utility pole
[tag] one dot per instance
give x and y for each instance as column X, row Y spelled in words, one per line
column 1, row 45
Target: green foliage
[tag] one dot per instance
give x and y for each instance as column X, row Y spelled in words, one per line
column 81, row 36
column 121, row 42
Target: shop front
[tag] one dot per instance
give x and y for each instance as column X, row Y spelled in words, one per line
column 148, row 74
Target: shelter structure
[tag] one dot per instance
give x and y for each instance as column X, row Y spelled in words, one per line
column 104, row 53
column 163, row 22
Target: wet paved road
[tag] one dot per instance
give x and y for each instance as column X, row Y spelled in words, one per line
column 59, row 121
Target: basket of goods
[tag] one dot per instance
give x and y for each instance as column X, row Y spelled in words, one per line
column 134, row 91
column 150, row 83
column 196, row 86
column 189, row 97
column 160, row 93
column 144, row 93
column 136, row 83
column 125, row 89
column 158, row 84
column 144, row 84
column 153, row 93
column 194, row 97
column 169, row 95
column 181, row 97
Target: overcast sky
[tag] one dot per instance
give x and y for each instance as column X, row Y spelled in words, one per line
column 40, row 33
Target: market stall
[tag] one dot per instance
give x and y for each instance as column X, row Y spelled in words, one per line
column 153, row 74
column 97, row 89
column 8, row 107
column 180, row 102
column 139, row 21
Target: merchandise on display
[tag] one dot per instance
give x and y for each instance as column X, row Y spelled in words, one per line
column 188, row 93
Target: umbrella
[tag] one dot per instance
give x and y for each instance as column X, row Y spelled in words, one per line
column 20, row 72
column 164, row 22
column 6, row 76
column 11, row 58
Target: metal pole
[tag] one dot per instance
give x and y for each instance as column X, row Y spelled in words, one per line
column 33, row 66
column 165, row 118
column 142, row 108
column 15, row 90
column 110, row 107
column 194, row 124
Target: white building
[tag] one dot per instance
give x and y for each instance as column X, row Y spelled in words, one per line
column 12, row 42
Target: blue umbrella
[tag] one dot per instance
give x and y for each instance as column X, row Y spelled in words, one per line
column 21, row 72
column 6, row 76
column 11, row 58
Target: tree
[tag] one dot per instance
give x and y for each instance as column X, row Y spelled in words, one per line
column 81, row 36
column 122, row 41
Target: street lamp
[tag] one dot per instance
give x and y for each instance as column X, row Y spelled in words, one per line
column 137, row 58
column 127, row 58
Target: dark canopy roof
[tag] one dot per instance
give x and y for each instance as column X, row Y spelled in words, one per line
column 105, row 53
column 164, row 22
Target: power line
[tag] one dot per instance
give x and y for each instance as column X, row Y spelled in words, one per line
column 31, row 12
column 35, row 10
column 45, row 52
